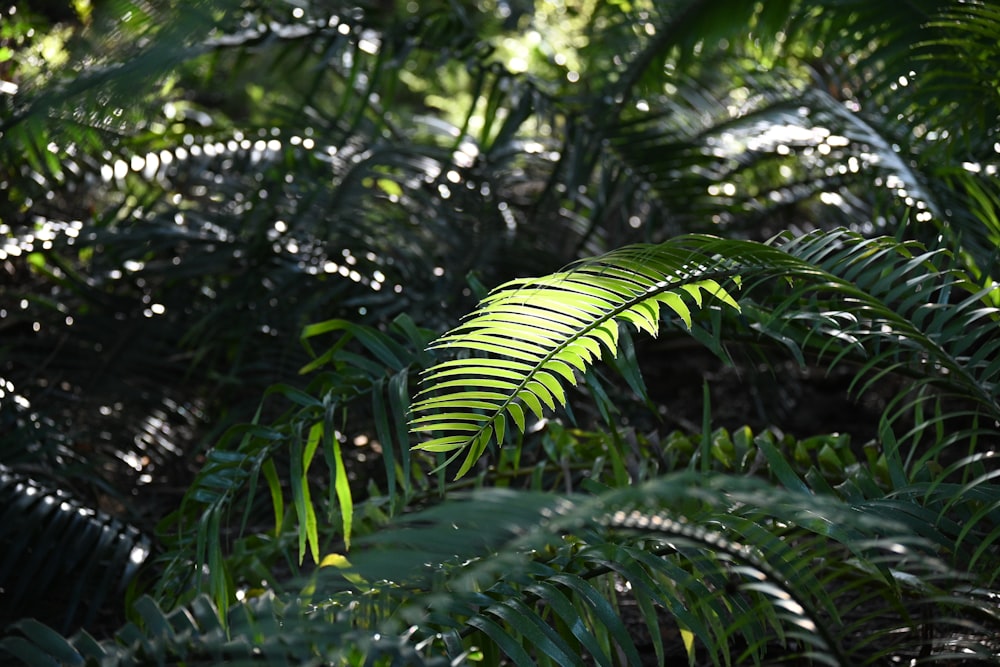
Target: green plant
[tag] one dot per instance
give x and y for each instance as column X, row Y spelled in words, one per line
column 196, row 191
column 847, row 300
column 731, row 558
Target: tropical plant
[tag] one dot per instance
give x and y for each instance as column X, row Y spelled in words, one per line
column 812, row 184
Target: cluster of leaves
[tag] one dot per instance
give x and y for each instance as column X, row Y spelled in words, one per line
column 214, row 178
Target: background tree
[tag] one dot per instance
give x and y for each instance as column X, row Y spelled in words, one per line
column 204, row 187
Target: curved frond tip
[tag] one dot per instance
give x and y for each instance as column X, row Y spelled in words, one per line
column 540, row 333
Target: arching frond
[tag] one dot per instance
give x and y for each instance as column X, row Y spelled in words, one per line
column 206, row 177
column 851, row 299
column 552, row 328
column 896, row 309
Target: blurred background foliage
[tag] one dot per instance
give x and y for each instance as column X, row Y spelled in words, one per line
column 230, row 228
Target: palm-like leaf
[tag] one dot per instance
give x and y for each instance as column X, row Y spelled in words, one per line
column 552, row 328
column 889, row 291
column 846, row 138
column 890, row 308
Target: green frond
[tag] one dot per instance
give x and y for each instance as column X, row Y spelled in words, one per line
column 734, row 560
column 882, row 303
column 751, row 570
column 892, row 308
column 549, row 329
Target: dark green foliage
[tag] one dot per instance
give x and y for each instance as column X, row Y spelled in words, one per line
column 194, row 635
column 49, row 540
column 239, row 241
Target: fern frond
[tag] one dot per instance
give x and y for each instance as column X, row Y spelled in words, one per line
column 550, row 329
column 878, row 302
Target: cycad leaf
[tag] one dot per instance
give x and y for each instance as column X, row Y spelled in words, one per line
column 549, row 328
column 885, row 304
